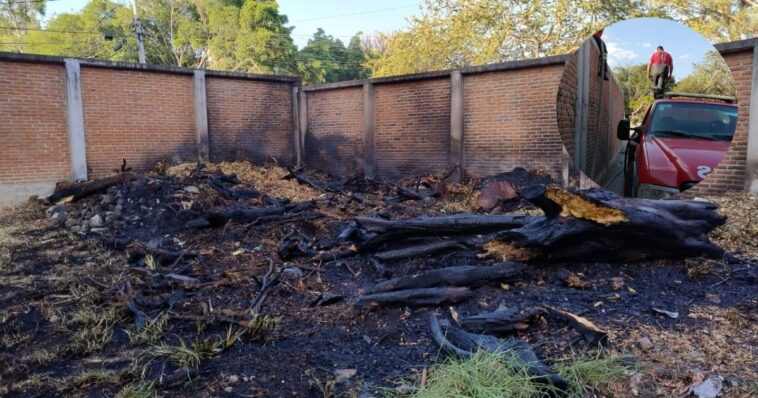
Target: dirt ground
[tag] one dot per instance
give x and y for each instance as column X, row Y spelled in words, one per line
column 77, row 279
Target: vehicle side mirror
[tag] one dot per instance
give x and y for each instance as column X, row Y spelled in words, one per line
column 624, row 129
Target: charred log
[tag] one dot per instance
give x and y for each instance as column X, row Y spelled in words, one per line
column 499, row 322
column 596, row 224
column 591, row 333
column 416, row 297
column 81, row 190
column 452, row 276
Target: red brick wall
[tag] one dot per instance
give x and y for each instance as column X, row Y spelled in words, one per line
column 250, row 120
column 142, row 117
column 334, row 141
column 730, row 173
column 566, row 104
column 33, row 134
column 412, row 135
column 510, row 121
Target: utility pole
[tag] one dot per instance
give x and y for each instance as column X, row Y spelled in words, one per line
column 138, row 30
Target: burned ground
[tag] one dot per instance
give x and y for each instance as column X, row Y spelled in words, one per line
column 115, row 294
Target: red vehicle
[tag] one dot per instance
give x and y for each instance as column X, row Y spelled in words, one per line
column 682, row 138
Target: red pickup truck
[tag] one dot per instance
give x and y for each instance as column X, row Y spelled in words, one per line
column 681, row 139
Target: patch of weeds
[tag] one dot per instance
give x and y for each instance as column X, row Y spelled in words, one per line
column 260, row 327
column 150, row 262
column 151, row 333
column 324, row 387
column 585, row 372
column 39, row 357
column 184, row 355
column 13, row 336
column 92, row 377
column 700, row 267
column 36, row 381
column 95, row 327
column 485, row 375
column 8, row 245
column 138, row 390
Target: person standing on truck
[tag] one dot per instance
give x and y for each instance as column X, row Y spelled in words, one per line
column 659, row 70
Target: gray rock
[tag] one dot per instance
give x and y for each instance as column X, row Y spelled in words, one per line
column 711, row 388
column 645, row 344
column 191, row 189
column 96, row 221
column 292, row 273
column 107, row 199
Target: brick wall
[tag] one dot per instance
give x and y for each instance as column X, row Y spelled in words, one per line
column 33, row 134
column 730, row 173
column 510, row 121
column 566, row 104
column 412, row 135
column 250, row 119
column 334, row 140
column 142, row 117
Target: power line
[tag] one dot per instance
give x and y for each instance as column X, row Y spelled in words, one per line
column 354, row 13
column 25, row 2
column 52, row 30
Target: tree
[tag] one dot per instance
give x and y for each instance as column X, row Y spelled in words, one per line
column 710, row 76
column 456, row 33
column 717, row 20
column 15, row 17
column 325, row 59
column 637, row 87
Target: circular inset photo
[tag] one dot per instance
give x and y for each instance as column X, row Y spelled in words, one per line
column 646, row 109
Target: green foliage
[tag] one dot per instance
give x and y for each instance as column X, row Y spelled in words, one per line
column 325, row 59
column 455, row 33
column 711, row 76
column 717, row 20
column 638, row 93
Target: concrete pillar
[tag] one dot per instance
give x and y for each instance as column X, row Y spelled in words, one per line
column 582, row 106
column 77, row 145
column 456, row 125
column 369, row 125
column 751, row 165
column 303, row 117
column 201, row 116
column 296, row 125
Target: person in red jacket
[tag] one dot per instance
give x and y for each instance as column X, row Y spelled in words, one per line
column 659, row 70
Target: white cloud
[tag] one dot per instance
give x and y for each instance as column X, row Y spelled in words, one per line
column 618, row 55
column 684, row 56
column 647, row 44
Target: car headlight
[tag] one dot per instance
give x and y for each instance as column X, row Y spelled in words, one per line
column 648, row 191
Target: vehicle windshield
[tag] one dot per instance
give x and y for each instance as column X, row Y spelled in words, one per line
column 706, row 121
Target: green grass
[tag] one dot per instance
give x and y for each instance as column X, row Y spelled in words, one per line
column 484, row 375
column 185, row 355
column 595, row 372
column 95, row 327
column 151, row 332
column 138, row 390
column 487, row 375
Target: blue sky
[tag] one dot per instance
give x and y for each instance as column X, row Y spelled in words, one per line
column 634, row 40
column 339, row 18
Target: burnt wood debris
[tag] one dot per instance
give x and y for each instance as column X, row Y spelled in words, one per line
column 563, row 225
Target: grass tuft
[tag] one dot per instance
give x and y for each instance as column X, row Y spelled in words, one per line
column 485, row 375
column 151, row 333
column 586, row 372
column 95, row 327
column 138, row 390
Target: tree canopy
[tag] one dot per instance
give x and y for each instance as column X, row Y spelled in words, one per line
column 254, row 36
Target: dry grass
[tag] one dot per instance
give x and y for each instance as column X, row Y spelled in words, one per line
column 261, row 178
column 740, row 233
column 723, row 345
